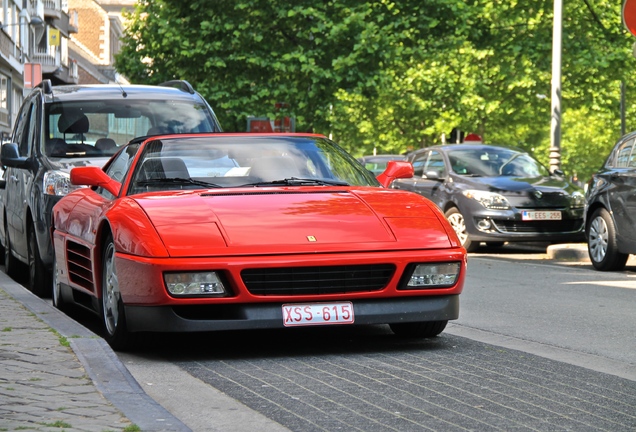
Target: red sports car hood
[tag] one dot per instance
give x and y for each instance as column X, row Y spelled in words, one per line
column 294, row 220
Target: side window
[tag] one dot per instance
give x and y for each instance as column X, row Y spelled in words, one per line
column 623, row 154
column 436, row 163
column 632, row 159
column 119, row 167
column 30, row 130
column 22, row 127
column 418, row 164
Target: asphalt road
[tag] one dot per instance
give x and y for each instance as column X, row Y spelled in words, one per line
column 538, row 346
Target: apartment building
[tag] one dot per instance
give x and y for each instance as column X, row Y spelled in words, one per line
column 66, row 41
column 94, row 46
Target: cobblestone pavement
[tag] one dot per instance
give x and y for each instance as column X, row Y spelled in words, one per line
column 65, row 379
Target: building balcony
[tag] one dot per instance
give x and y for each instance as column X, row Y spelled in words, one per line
column 54, row 69
column 52, row 9
column 57, row 14
column 9, row 50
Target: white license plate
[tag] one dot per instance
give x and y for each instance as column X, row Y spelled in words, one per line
column 303, row 314
column 540, row 215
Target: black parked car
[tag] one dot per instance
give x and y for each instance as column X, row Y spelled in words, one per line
column 58, row 128
column 496, row 194
column 610, row 208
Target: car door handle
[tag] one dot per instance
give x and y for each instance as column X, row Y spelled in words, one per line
column 13, row 178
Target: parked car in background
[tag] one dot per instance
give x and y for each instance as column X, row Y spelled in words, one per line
column 377, row 163
column 496, row 194
column 610, row 211
column 244, row 231
column 60, row 127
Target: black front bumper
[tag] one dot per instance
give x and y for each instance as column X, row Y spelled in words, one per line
column 270, row 315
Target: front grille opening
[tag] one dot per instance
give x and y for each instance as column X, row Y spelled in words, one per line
column 317, row 280
column 540, row 227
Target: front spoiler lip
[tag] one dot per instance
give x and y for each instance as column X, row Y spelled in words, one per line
column 246, row 316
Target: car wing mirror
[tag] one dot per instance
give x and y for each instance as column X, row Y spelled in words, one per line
column 432, row 175
column 10, row 156
column 395, row 170
column 94, row 176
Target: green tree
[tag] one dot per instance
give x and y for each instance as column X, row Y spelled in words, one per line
column 394, row 76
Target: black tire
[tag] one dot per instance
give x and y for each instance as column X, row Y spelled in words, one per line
column 111, row 305
column 56, row 296
column 426, row 329
column 39, row 280
column 12, row 266
column 458, row 223
column 602, row 246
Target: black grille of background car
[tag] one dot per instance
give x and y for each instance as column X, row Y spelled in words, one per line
column 525, row 227
column 317, row 280
column 80, row 270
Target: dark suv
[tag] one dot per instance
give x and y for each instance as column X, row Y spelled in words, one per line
column 61, row 127
column 610, row 208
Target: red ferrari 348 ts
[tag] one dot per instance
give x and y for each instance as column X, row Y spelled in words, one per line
column 187, row 233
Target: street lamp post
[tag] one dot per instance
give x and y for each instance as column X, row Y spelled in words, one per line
column 555, row 124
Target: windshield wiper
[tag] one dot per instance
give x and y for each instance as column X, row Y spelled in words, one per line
column 295, row 181
column 178, row 180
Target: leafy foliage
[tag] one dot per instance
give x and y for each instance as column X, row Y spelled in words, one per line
column 394, row 76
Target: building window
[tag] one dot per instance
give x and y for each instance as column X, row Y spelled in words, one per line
column 4, row 100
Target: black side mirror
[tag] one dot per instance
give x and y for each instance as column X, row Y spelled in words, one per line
column 10, row 156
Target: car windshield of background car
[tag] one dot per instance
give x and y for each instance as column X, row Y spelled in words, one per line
column 189, row 163
column 494, row 163
column 85, row 129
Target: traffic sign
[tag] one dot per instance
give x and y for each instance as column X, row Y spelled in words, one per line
column 629, row 16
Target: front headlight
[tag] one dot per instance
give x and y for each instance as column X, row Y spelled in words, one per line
column 578, row 200
column 58, row 183
column 490, row 200
column 433, row 275
column 195, row 284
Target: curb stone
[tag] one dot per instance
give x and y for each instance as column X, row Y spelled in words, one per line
column 107, row 372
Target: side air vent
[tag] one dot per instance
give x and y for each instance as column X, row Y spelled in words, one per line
column 80, row 268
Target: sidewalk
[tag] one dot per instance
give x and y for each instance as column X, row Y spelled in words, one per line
column 57, row 375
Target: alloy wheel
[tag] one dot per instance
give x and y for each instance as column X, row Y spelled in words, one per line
column 456, row 221
column 57, row 289
column 598, row 239
column 110, row 291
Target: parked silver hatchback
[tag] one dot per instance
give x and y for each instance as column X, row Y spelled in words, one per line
column 61, row 127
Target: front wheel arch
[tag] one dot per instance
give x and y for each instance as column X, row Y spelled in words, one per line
column 111, row 305
column 602, row 244
column 40, row 278
column 458, row 223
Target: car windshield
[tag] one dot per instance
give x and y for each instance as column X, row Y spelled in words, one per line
column 377, row 164
column 245, row 161
column 494, row 162
column 99, row 128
